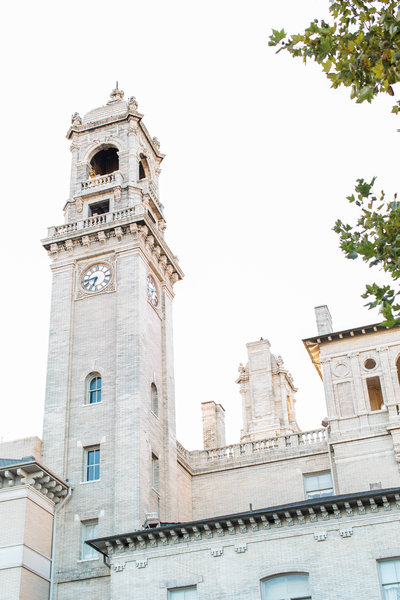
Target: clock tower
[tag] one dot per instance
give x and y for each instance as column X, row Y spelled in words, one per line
column 109, row 425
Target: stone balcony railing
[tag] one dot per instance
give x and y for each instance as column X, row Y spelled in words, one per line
column 101, row 180
column 95, row 221
column 268, row 449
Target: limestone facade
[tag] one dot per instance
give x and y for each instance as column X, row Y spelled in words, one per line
column 224, row 540
column 147, row 518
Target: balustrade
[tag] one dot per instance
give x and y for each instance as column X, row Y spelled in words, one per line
column 96, row 220
column 64, row 229
column 290, row 442
column 123, row 214
column 99, row 180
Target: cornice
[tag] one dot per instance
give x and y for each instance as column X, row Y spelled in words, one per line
column 33, row 474
column 304, row 514
column 135, row 229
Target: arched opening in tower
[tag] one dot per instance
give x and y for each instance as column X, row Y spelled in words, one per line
column 143, row 168
column 104, row 162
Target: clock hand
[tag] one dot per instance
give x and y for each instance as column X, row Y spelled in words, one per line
column 94, row 279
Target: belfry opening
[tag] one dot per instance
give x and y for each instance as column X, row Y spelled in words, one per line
column 104, row 162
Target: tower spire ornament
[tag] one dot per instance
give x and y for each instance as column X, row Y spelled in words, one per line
column 116, row 94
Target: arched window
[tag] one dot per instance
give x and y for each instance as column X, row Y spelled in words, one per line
column 291, row 586
column 93, row 389
column 154, row 399
column 144, row 170
column 104, row 162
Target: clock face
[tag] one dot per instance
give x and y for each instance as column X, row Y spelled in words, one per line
column 96, row 278
column 152, row 291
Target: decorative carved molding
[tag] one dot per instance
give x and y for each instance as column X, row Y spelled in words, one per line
column 240, row 548
column 76, row 119
column 320, row 536
column 325, row 361
column 117, row 194
column 243, row 373
column 382, row 348
column 341, row 369
column 133, row 104
column 217, row 551
column 111, row 229
column 346, row 532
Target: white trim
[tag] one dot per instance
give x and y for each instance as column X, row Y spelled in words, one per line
column 23, row 556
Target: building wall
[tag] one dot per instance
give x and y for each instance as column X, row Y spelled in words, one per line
column 231, row 490
column 184, row 487
column 25, row 543
column 30, row 446
column 339, row 566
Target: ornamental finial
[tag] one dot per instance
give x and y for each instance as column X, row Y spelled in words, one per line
column 116, row 93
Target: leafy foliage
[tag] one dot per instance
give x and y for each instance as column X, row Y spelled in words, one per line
column 376, row 238
column 360, row 48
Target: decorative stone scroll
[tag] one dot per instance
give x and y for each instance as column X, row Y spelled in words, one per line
column 141, row 564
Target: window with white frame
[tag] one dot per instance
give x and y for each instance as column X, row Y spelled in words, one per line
column 154, row 399
column 93, row 393
column 92, row 464
column 155, row 473
column 317, row 485
column 292, row 586
column 89, row 532
column 389, row 571
column 188, row 593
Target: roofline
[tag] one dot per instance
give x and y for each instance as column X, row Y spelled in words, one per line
column 345, row 333
column 326, row 501
column 314, row 343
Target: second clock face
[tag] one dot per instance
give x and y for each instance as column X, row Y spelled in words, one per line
column 152, row 291
column 96, row 278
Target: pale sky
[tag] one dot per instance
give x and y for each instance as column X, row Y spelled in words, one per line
column 261, row 154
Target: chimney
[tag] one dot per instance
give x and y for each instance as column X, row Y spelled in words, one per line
column 324, row 320
column 213, row 425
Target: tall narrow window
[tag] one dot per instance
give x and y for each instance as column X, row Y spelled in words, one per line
column 317, row 485
column 94, row 390
column 189, row 593
column 398, row 368
column 374, row 393
column 389, row 571
column 92, row 464
column 294, row 586
column 155, row 473
column 154, row 399
column 89, row 532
